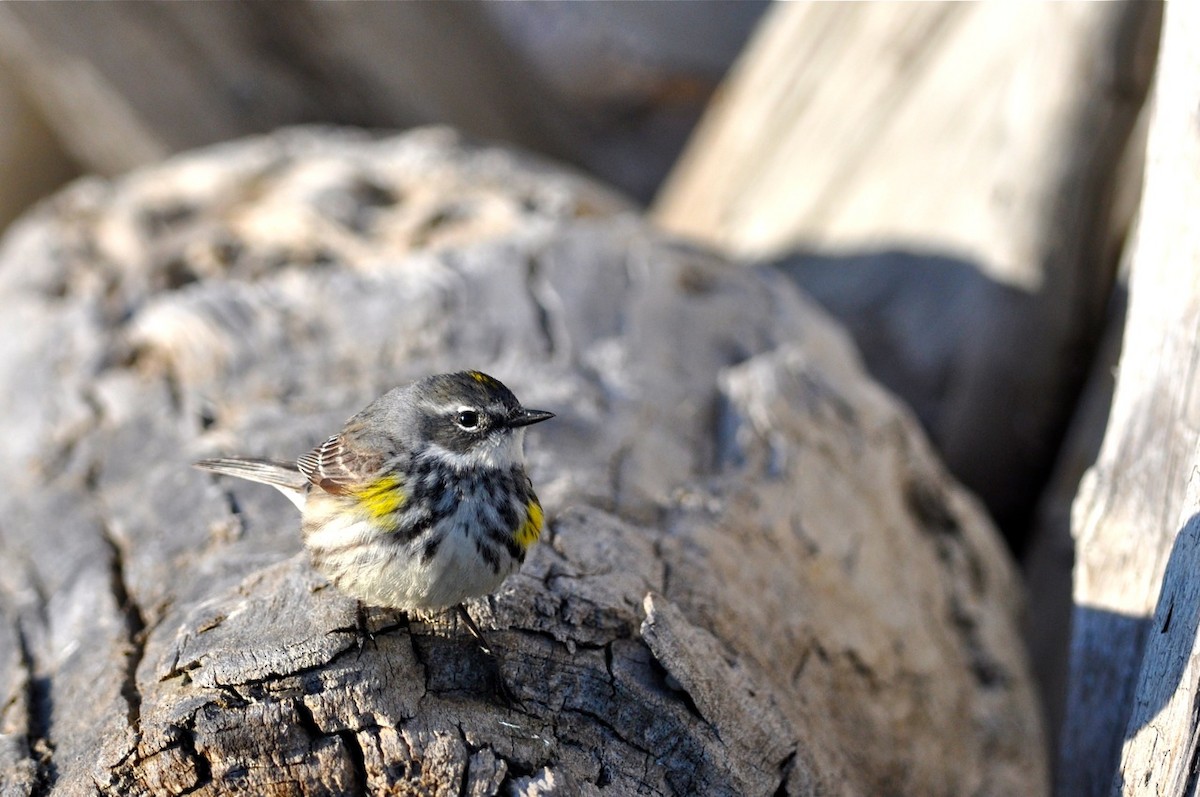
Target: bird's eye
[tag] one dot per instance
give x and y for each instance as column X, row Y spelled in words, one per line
column 467, row 419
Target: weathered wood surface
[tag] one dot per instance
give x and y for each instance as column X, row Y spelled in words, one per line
column 1132, row 504
column 614, row 88
column 132, row 84
column 756, row 577
column 944, row 178
column 890, row 124
column 1159, row 755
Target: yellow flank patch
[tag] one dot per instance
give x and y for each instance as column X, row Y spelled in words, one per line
column 531, row 529
column 381, row 497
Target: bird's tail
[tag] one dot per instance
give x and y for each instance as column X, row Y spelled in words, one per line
column 283, row 476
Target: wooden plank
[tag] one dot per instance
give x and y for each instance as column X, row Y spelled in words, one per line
column 1127, row 513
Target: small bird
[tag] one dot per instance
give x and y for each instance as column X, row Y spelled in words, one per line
column 422, row 500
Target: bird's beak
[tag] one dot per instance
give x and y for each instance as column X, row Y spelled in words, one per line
column 524, row 417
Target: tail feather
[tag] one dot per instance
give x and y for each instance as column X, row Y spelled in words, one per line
column 283, row 476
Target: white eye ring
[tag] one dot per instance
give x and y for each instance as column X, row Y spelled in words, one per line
column 468, row 419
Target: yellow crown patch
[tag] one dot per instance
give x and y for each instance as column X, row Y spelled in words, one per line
column 482, row 378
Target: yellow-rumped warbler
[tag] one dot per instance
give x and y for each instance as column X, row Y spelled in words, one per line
column 421, row 501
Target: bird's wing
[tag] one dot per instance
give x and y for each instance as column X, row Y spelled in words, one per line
column 337, row 466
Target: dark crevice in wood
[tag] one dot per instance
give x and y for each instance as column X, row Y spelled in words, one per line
column 465, row 779
column 608, row 665
column 358, row 760
column 419, row 656
column 785, row 770
column 235, row 507
column 989, row 673
column 535, row 284
column 174, row 390
column 671, row 686
column 929, row 507
column 615, row 466
column 257, row 687
column 603, row 778
column 135, row 629
column 514, row 772
column 348, row 737
column 204, row 777
column 307, row 721
column 38, row 720
column 231, row 697
column 570, row 645
column 1191, row 769
column 616, row 733
column 727, row 454
column 660, row 554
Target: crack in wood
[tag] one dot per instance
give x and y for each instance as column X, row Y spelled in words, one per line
column 358, row 761
column 535, row 285
column 38, row 707
column 348, row 738
column 987, row 670
column 187, row 745
column 136, row 629
column 785, row 771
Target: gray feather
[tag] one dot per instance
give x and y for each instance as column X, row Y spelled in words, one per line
column 283, row 476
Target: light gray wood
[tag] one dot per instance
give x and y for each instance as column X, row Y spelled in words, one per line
column 943, row 177
column 756, row 577
column 611, row 87
column 916, row 126
column 129, row 85
column 1132, row 505
column 1160, row 746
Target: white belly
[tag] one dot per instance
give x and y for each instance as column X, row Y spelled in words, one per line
column 376, row 569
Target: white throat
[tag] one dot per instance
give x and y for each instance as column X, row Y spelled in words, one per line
column 501, row 452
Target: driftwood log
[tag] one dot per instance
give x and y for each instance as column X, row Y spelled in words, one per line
column 946, row 179
column 756, row 576
column 953, row 182
column 611, row 87
column 1136, row 604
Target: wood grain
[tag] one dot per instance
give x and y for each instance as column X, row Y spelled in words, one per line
column 1132, row 505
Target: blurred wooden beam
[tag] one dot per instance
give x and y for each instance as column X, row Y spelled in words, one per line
column 1132, row 504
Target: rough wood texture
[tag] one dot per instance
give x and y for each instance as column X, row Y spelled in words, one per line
column 756, row 577
column 1129, row 506
column 925, row 169
column 1159, row 757
column 892, row 124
